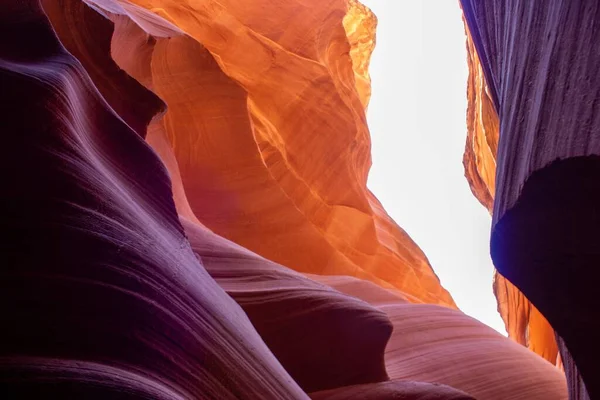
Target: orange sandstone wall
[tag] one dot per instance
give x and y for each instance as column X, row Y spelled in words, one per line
column 266, row 119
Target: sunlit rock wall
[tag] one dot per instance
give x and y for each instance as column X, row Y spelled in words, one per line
column 267, row 124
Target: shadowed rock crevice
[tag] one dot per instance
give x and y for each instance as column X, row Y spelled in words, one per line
column 547, row 245
column 539, row 61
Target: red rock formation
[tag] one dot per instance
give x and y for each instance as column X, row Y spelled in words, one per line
column 524, row 323
column 539, row 61
column 114, row 285
column 311, row 213
column 360, row 24
column 100, row 288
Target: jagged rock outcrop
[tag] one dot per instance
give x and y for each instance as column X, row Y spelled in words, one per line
column 524, row 323
column 539, row 60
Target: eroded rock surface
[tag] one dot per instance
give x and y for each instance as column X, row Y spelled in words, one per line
column 288, row 111
column 524, row 323
column 401, row 390
column 434, row 344
column 196, row 253
column 539, row 61
column 323, row 338
column 100, row 288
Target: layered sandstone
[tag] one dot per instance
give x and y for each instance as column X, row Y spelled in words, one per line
column 524, row 323
column 171, row 164
column 436, row 344
column 102, row 295
column 288, row 111
column 539, row 61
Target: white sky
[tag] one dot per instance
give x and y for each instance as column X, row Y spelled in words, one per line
column 417, row 122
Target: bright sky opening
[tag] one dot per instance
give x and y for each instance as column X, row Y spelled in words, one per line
column 417, row 119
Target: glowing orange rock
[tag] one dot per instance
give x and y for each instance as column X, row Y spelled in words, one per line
column 267, row 125
column 359, row 24
column 524, row 323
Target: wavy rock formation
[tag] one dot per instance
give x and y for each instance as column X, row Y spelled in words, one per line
column 100, row 287
column 313, row 214
column 402, row 390
column 121, row 279
column 539, row 61
column 439, row 345
column 282, row 304
column 524, row 323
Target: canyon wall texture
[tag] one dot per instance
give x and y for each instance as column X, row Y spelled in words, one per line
column 524, row 323
column 540, row 64
column 185, row 188
column 279, row 97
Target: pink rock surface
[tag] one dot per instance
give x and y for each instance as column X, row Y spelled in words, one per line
column 323, row 338
column 439, row 345
column 99, row 283
column 436, row 344
column 399, row 390
column 111, row 287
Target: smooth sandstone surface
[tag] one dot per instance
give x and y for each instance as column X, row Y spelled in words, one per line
column 323, row 338
column 577, row 389
column 134, row 267
column 434, row 344
column 100, row 288
column 289, row 112
column 400, row 390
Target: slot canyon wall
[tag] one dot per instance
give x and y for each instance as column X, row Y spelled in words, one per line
column 185, row 191
column 534, row 125
column 524, row 323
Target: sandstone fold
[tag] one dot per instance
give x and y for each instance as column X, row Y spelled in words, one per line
column 539, row 61
column 102, row 295
column 402, row 390
column 577, row 388
column 438, row 345
column 323, row 338
column 185, row 191
column 266, row 122
column 87, row 36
